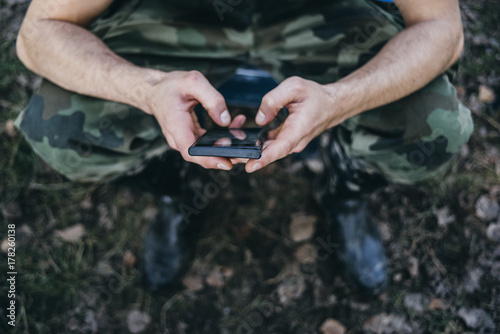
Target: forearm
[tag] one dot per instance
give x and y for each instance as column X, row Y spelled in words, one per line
column 406, row 63
column 77, row 60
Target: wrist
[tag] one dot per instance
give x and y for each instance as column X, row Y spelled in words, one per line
column 143, row 89
column 340, row 103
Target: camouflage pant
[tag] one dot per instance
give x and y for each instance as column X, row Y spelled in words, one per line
column 90, row 139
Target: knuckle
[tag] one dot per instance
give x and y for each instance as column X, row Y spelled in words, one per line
column 270, row 101
column 193, row 77
column 214, row 102
column 296, row 84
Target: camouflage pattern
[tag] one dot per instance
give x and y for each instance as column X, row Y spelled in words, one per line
column 89, row 139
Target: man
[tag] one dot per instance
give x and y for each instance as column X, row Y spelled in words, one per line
column 128, row 74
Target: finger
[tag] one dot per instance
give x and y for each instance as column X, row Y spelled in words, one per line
column 301, row 145
column 184, row 136
column 238, row 134
column 201, row 90
column 223, row 142
column 239, row 160
column 276, row 149
column 274, row 101
column 238, row 121
column 171, row 141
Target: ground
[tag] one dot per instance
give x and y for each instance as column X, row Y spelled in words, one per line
column 259, row 266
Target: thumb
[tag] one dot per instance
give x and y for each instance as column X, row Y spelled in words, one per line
column 272, row 103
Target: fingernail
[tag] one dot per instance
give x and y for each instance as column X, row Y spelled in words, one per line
column 261, row 117
column 255, row 167
column 223, row 166
column 225, row 118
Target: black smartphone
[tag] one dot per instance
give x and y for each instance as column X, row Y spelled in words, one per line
column 230, row 143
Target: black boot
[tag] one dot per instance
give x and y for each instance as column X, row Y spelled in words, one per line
column 168, row 246
column 170, row 240
column 342, row 191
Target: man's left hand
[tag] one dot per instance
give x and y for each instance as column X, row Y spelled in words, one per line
column 312, row 107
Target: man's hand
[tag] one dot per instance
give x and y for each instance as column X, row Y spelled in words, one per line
column 430, row 43
column 313, row 109
column 172, row 99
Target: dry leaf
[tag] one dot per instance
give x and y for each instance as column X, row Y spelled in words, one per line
column 219, row 276
column 302, row 227
column 4, row 246
column 413, row 267
column 437, row 304
column 74, row 233
column 486, row 94
column 331, row 326
column 10, row 128
column 193, row 282
column 306, row 254
column 387, row 323
column 128, row 260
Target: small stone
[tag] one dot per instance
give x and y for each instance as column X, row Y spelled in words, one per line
column 193, row 282
column 10, row 128
column 331, row 326
column 23, row 235
column 72, row 234
column 105, row 220
column 476, row 318
column 219, row 276
column 397, row 277
column 302, row 227
column 495, row 270
column 361, row 307
column 473, row 280
column 385, row 231
column 149, row 213
column 486, row 208
column 387, row 323
column 104, row 269
column 496, row 253
column 137, row 321
column 437, row 304
column 12, row 211
column 306, row 254
column 414, row 302
column 86, row 203
column 443, row 217
column 493, row 232
column 486, row 94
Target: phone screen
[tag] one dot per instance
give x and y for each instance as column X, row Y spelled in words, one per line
column 234, row 143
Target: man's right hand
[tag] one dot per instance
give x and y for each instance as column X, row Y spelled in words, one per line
column 54, row 43
column 171, row 98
